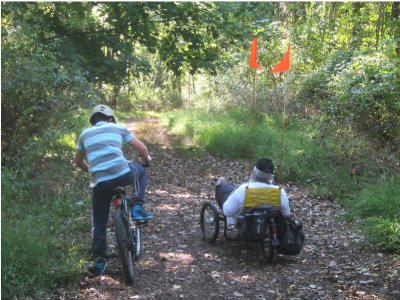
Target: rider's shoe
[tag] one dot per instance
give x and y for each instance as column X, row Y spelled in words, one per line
column 220, row 180
column 139, row 214
column 99, row 265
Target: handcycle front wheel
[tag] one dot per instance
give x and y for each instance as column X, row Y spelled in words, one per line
column 209, row 222
column 125, row 242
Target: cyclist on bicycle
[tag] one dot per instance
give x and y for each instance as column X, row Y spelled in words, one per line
column 99, row 152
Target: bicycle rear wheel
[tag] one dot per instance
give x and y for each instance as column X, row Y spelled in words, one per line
column 125, row 244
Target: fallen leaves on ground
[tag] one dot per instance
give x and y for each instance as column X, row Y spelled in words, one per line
column 177, row 264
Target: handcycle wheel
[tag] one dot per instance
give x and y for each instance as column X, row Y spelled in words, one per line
column 209, row 222
column 125, row 242
column 268, row 249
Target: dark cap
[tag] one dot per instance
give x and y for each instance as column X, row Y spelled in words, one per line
column 266, row 165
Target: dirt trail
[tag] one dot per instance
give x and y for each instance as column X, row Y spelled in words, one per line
column 177, row 264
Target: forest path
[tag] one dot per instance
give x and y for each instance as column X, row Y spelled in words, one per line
column 177, row 264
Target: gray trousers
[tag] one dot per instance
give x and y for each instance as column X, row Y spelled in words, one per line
column 222, row 192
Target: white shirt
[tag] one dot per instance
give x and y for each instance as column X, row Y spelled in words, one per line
column 233, row 205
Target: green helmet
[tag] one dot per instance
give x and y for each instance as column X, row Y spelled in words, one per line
column 103, row 110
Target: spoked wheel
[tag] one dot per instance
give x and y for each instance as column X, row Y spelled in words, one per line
column 137, row 236
column 125, row 242
column 268, row 249
column 209, row 222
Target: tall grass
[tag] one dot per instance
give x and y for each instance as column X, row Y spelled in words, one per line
column 378, row 206
column 227, row 134
column 42, row 209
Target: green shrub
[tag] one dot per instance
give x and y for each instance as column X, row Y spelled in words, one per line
column 42, row 209
column 356, row 91
column 368, row 93
column 314, row 91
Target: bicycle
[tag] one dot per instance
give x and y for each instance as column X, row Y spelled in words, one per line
column 127, row 232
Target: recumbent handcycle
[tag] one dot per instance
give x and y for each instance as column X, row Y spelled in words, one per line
column 258, row 222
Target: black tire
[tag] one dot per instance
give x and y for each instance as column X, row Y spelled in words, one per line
column 125, row 244
column 267, row 249
column 137, row 236
column 209, row 222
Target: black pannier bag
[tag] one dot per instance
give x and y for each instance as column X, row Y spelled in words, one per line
column 252, row 226
column 291, row 237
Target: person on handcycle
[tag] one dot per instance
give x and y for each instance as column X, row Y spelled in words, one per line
column 231, row 197
column 99, row 152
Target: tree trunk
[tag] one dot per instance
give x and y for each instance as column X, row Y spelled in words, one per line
column 159, row 80
column 378, row 27
column 395, row 17
column 115, row 95
column 356, row 16
column 193, row 85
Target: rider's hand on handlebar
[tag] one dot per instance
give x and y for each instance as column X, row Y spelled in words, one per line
column 147, row 163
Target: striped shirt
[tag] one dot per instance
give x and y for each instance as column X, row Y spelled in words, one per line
column 102, row 144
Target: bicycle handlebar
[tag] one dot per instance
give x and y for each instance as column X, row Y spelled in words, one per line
column 145, row 165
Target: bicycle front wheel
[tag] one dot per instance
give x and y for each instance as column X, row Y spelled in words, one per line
column 137, row 236
column 125, row 244
column 209, row 222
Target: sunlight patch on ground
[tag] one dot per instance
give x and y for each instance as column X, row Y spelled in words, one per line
column 175, row 260
column 169, row 207
column 176, row 195
column 244, row 278
column 231, row 277
column 212, row 257
column 148, row 263
column 151, row 131
column 161, row 192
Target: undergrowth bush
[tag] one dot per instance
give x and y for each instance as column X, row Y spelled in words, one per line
column 357, row 90
column 42, row 201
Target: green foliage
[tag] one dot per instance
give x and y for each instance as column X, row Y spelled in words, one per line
column 42, row 208
column 100, row 38
column 357, row 92
column 314, row 91
column 377, row 205
column 35, row 256
column 145, row 97
column 35, row 88
column 368, row 90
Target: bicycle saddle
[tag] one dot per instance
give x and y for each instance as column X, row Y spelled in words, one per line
column 118, row 190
